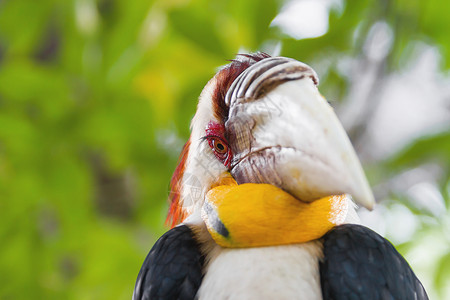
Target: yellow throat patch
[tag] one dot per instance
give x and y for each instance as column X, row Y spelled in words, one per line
column 256, row 215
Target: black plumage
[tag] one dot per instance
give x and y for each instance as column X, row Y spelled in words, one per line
column 357, row 264
column 360, row 264
column 172, row 268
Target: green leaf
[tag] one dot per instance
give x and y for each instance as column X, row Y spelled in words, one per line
column 442, row 277
column 199, row 27
column 431, row 148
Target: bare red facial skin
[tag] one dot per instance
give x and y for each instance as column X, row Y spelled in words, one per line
column 215, row 135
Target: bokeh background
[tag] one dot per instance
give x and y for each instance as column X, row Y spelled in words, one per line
column 96, row 97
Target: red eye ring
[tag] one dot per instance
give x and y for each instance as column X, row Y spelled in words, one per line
column 215, row 135
column 221, row 149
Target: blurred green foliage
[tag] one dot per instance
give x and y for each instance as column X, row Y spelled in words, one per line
column 95, row 102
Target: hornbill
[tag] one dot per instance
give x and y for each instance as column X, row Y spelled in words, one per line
column 262, row 199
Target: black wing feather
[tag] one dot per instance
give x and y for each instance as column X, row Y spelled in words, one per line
column 360, row 264
column 172, row 268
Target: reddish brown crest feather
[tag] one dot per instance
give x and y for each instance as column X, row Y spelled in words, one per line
column 226, row 77
column 176, row 213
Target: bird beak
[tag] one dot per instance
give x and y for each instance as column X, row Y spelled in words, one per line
column 283, row 132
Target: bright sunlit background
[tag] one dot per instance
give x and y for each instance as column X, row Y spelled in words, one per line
column 96, row 99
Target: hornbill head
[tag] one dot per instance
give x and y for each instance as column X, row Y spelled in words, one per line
column 261, row 119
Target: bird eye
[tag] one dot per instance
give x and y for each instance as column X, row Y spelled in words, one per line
column 221, row 149
column 215, row 135
column 219, row 146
